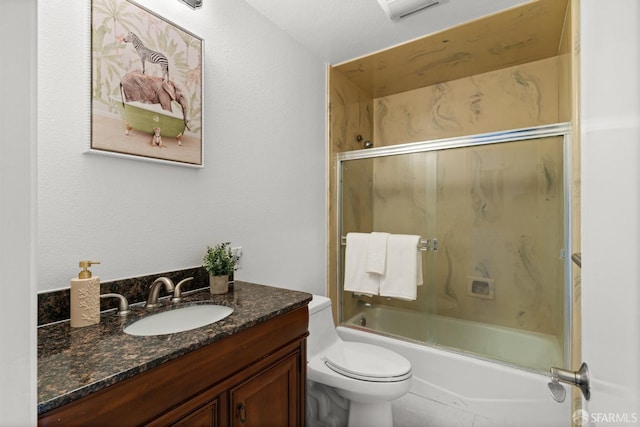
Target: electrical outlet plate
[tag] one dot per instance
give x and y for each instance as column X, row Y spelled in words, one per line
column 481, row 287
column 237, row 252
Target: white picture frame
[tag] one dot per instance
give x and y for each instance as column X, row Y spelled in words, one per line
column 146, row 86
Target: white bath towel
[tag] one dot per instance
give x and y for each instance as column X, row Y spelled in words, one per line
column 377, row 253
column 404, row 267
column 356, row 279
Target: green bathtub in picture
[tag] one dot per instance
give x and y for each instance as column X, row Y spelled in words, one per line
column 145, row 117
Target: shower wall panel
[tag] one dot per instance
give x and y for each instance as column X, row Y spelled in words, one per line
column 521, row 96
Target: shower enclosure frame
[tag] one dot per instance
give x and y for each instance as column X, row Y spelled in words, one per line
column 554, row 130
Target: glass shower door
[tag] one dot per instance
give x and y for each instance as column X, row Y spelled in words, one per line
column 500, row 270
column 388, row 194
column 493, row 214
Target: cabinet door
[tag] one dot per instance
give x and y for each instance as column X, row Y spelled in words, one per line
column 269, row 398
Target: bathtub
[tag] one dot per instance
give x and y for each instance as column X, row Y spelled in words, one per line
column 534, row 351
column 482, row 387
column 146, row 117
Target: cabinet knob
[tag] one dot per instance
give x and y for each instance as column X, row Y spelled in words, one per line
column 242, row 413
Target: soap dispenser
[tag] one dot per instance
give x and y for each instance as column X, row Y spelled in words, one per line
column 85, row 297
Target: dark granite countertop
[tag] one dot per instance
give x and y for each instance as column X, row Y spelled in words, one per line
column 74, row 362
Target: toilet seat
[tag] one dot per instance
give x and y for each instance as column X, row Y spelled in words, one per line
column 367, row 362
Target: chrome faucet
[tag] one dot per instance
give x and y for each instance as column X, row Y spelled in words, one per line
column 177, row 291
column 123, row 304
column 154, row 290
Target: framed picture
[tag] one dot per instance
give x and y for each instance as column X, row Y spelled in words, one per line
column 146, row 85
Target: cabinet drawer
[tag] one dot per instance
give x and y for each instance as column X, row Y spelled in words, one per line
column 205, row 416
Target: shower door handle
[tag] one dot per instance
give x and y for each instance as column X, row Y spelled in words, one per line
column 579, row 378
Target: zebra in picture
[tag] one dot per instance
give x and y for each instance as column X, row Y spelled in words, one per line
column 147, row 54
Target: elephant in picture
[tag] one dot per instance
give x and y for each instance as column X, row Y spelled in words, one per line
column 136, row 86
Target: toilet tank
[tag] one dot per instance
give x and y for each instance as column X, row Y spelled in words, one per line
column 322, row 330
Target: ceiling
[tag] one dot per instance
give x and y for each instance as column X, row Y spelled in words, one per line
column 341, row 30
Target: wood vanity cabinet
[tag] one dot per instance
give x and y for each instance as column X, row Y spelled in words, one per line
column 254, row 404
column 253, row 378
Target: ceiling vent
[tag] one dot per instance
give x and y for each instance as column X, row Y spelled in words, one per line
column 194, row 4
column 399, row 9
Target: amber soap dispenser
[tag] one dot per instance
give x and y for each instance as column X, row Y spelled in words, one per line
column 85, row 297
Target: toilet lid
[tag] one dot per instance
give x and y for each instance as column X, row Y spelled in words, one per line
column 367, row 362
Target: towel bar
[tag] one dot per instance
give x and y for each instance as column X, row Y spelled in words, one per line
column 424, row 245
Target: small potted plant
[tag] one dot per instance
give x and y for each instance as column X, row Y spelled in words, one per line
column 219, row 262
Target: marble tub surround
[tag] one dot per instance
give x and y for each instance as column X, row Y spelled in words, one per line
column 397, row 194
column 74, row 362
column 54, row 306
column 500, row 72
column 510, row 98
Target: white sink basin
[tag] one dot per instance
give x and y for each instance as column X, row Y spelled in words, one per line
column 178, row 320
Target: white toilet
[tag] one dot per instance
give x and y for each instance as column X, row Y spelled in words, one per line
column 343, row 375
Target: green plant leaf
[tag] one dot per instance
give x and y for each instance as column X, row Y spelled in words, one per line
column 219, row 260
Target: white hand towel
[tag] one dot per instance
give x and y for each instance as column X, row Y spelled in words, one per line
column 402, row 276
column 377, row 253
column 356, row 279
